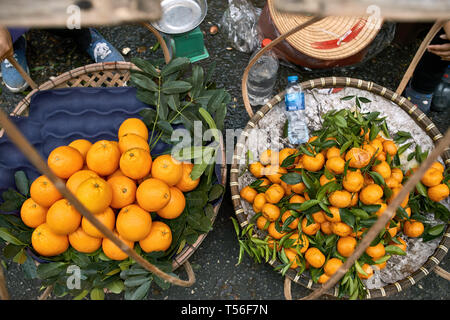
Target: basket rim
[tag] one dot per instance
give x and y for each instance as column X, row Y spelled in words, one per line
column 180, row 258
column 418, row 116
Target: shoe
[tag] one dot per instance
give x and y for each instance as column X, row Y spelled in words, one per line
column 421, row 100
column 11, row 77
column 101, row 50
column 441, row 96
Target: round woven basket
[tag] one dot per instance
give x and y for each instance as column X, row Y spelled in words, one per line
column 331, row 82
column 113, row 74
column 332, row 38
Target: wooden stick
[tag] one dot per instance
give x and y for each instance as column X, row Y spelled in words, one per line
column 22, row 72
column 261, row 52
column 160, row 39
column 423, row 46
column 3, row 290
column 33, row 156
column 383, row 218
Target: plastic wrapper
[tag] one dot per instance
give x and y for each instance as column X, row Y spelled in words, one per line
column 239, row 24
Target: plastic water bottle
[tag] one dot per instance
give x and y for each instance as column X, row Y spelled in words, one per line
column 294, row 100
column 262, row 77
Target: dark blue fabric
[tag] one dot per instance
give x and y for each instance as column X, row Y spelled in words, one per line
column 17, row 32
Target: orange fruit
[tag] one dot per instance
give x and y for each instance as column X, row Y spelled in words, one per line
column 43, row 192
column 186, row 184
column 114, row 252
column 47, row 243
column 319, row 217
column 324, row 180
column 298, row 188
column 369, row 148
column 107, row 217
column 297, row 199
column 389, row 147
column 287, row 188
column 370, row 194
column 65, row 161
column 341, row 229
column 358, row 157
column 301, row 244
column 135, row 163
column 292, row 257
column 353, row 181
column 402, row 246
column 383, row 207
column 274, row 173
column 103, row 157
column 286, row 215
column 335, row 213
column 355, row 198
column 261, row 222
column 130, row 141
column 438, row 192
column 432, row 177
column 95, row 194
column 380, row 266
column 248, row 194
column 83, row 242
column 273, row 232
column 392, row 183
column 265, row 182
column 269, row 157
column 116, row 173
column 395, row 192
column 257, row 169
column 313, row 163
column 82, row 145
column 274, row 193
column 438, row 166
column 78, row 177
column 325, row 227
column 381, row 156
column 377, row 145
column 394, row 229
column 270, row 211
column 315, row 257
column 323, row 278
column 335, row 165
column 368, row 270
column 167, row 169
column 346, row 246
column 259, row 202
column 284, row 153
column 159, row 238
column 413, row 228
column 63, row 218
column 340, row 198
column 123, row 191
column 333, row 152
column 153, row 194
column 397, row 174
column 133, row 223
column 133, row 125
column 383, row 169
column 332, row 265
column 32, row 214
column 376, row 251
column 175, row 206
column 309, row 229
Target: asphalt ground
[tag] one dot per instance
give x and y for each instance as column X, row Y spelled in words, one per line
column 217, row 275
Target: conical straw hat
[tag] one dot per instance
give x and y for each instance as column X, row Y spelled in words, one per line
column 332, row 38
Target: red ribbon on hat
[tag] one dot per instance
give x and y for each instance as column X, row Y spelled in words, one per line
column 347, row 37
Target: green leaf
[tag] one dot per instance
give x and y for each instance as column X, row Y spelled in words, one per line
column 360, row 269
column 81, row 295
column 175, row 65
column 403, row 148
column 308, row 204
column 165, row 127
column 97, row 294
column 421, row 189
column 147, row 97
column 292, row 178
column 374, row 130
column 176, row 86
column 163, row 284
column 436, row 230
column 347, row 217
column 48, row 270
column 136, row 281
column 340, row 121
column 364, row 100
column 216, row 192
column 198, row 169
column 144, row 82
column 377, row 178
column 394, row 250
column 8, row 237
column 145, row 66
column 347, row 98
column 22, row 183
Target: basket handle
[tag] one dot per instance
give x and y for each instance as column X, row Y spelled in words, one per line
column 383, row 218
column 423, row 46
column 442, row 273
column 3, row 290
column 35, row 158
column 273, row 43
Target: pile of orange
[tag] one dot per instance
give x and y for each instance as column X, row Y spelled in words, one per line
column 270, row 198
column 117, row 181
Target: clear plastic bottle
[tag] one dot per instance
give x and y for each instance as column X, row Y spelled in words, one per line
column 262, row 77
column 294, row 100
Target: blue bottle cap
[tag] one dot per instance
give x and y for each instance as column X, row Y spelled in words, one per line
column 292, row 78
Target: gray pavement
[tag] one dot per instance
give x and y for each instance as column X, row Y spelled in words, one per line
column 218, row 276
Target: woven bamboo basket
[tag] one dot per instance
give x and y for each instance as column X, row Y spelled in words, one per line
column 338, row 82
column 113, row 74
